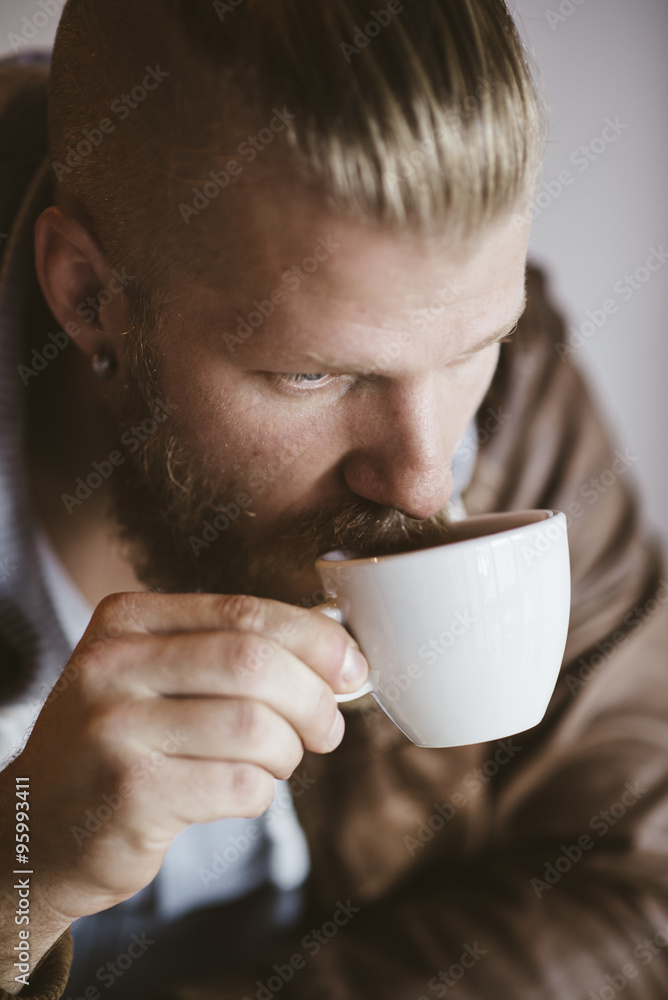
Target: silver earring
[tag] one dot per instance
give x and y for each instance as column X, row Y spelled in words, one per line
column 104, row 364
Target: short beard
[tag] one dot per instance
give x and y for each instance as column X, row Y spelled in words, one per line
column 163, row 494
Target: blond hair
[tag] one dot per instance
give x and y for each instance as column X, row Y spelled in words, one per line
column 422, row 115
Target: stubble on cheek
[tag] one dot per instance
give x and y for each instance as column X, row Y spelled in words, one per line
column 185, row 529
column 163, row 492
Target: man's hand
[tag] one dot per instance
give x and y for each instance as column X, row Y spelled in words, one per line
column 183, row 709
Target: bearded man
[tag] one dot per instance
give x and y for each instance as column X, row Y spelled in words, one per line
column 261, row 262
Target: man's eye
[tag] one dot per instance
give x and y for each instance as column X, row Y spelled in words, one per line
column 300, row 377
column 303, row 382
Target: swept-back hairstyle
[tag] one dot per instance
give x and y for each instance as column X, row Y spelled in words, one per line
column 423, row 115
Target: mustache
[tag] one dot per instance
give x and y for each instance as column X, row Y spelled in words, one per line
column 367, row 529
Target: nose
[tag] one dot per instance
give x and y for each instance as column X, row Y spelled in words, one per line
column 400, row 458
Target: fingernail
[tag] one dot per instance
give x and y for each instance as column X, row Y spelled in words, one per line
column 336, row 732
column 355, row 668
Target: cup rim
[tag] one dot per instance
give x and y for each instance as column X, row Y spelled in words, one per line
column 547, row 515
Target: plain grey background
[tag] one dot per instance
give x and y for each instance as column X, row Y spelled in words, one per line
column 600, row 60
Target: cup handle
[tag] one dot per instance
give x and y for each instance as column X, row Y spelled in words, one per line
column 332, row 610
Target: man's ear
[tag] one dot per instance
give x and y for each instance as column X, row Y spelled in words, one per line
column 82, row 292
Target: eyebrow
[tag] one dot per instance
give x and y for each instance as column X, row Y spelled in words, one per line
column 505, row 332
column 332, row 368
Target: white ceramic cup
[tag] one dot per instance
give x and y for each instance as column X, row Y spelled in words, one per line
column 464, row 640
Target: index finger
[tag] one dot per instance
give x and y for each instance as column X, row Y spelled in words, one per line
column 320, row 642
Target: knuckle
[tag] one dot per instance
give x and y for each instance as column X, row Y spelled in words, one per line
column 120, row 611
column 107, row 606
column 249, row 722
column 248, row 613
column 111, row 606
column 257, row 728
column 92, row 668
column 101, row 656
column 253, row 788
column 250, row 654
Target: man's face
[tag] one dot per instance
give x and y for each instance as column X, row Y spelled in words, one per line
column 322, row 378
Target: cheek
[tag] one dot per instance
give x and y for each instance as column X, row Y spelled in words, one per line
column 262, row 451
column 199, row 390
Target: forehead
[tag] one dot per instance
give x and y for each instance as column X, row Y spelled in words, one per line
column 314, row 276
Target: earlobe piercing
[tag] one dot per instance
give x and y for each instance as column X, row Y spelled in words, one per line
column 104, row 364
